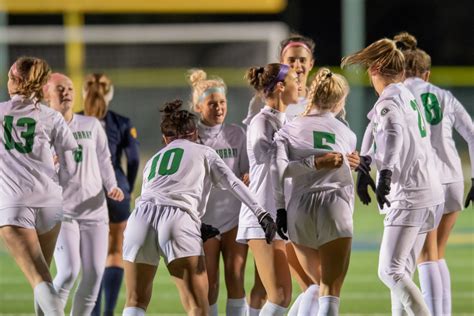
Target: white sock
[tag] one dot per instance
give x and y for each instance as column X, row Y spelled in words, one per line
column 446, row 281
column 397, row 306
column 253, row 311
column 48, row 300
column 213, row 310
column 133, row 311
column 296, row 305
column 310, row 302
column 431, row 286
column 328, row 306
column 236, row 307
column 270, row 309
column 410, row 296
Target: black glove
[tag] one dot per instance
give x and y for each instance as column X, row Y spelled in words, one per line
column 208, row 231
column 364, row 165
column 268, row 225
column 364, row 180
column 282, row 224
column 383, row 187
column 470, row 195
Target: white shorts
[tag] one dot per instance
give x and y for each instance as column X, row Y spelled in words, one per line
column 316, row 218
column 156, row 230
column 222, row 211
column 43, row 219
column 427, row 218
column 453, row 197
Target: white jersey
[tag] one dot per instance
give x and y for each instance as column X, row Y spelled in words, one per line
column 83, row 195
column 402, row 145
column 182, row 174
column 443, row 112
column 29, row 137
column 260, row 135
column 312, row 135
column 292, row 111
column 229, row 141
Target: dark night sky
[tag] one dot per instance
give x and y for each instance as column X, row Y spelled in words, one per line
column 444, row 28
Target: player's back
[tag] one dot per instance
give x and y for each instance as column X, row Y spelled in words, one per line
column 442, row 112
column 27, row 173
column 415, row 179
column 317, row 134
column 179, row 175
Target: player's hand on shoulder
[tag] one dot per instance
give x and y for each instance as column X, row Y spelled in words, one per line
column 470, row 195
column 332, row 160
column 353, row 159
column 282, row 223
column 268, row 225
column 115, row 194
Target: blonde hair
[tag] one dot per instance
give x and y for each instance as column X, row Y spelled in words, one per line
column 383, row 55
column 327, row 90
column 417, row 61
column 31, row 75
column 197, row 78
column 96, row 87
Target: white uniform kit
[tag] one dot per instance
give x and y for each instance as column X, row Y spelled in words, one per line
column 176, row 185
column 83, row 239
column 407, row 153
column 402, row 145
column 321, row 201
column 443, row 112
column 228, row 140
column 30, row 191
column 260, row 133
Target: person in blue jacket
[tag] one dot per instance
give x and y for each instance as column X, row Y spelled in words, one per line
column 122, row 137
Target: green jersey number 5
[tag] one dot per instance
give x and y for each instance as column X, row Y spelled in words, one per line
column 168, row 165
column 322, row 139
column 28, row 134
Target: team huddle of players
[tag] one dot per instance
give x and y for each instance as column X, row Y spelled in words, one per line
column 283, row 187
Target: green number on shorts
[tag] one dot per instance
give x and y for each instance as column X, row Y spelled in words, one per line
column 421, row 122
column 321, row 139
column 433, row 112
column 78, row 154
column 168, row 165
column 28, row 135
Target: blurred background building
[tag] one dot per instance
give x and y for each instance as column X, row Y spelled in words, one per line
column 146, row 46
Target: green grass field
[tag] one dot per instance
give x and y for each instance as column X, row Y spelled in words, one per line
column 363, row 293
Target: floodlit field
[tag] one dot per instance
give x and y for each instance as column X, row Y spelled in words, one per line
column 363, row 293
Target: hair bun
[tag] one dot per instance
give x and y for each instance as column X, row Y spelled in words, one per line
column 171, row 108
column 405, row 41
column 194, row 76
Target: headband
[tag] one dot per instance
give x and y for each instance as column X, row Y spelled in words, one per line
column 210, row 91
column 280, row 77
column 296, row 44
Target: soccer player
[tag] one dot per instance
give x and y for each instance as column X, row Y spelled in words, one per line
column 222, row 210
column 82, row 241
column 166, row 221
column 98, row 91
column 408, row 189
column 443, row 112
column 30, row 192
column 320, row 206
